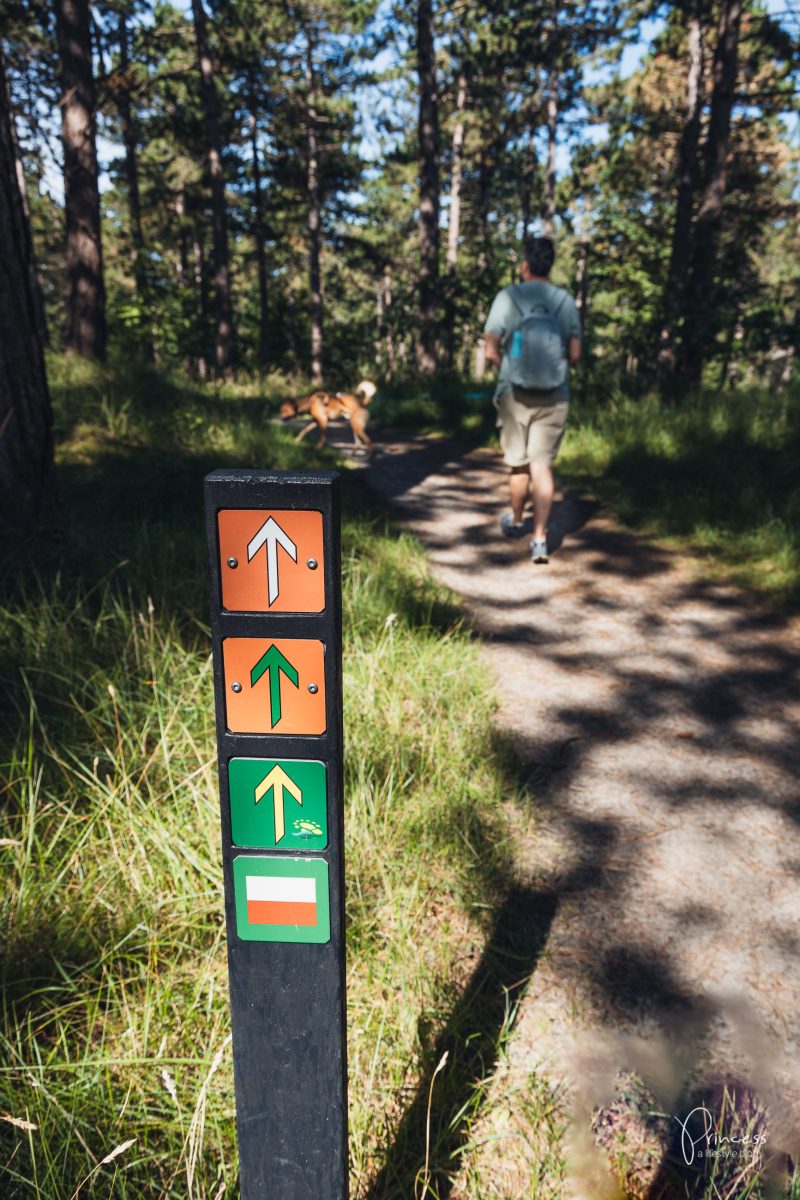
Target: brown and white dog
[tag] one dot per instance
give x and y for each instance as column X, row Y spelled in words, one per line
column 327, row 406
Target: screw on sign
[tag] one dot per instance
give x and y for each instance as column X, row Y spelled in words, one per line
column 275, row 567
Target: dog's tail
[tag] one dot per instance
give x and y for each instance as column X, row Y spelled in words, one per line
column 365, row 391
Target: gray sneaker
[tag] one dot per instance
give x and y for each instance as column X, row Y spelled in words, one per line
column 539, row 550
column 512, row 528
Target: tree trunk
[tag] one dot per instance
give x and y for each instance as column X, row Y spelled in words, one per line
column 428, row 191
column 582, row 280
column 129, row 138
column 486, row 169
column 454, row 222
column 552, row 136
column 675, row 288
column 378, row 324
column 480, row 359
column 86, row 301
column 36, row 283
column 582, row 305
column 224, row 342
column 314, row 218
column 200, row 291
column 183, row 270
column 291, row 331
column 699, row 328
column 259, row 237
column 183, row 248
column 388, row 339
column 526, row 190
column 27, row 474
column 786, row 373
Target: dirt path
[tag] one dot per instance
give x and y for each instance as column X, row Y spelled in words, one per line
column 656, row 718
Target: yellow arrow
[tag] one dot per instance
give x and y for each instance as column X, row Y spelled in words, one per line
column 278, row 780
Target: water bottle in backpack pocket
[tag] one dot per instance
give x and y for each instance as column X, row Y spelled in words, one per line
column 536, row 352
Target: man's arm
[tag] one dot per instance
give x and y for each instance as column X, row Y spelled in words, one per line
column 492, row 348
column 495, row 328
column 573, row 351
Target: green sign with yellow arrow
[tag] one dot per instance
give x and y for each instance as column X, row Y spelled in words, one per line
column 278, row 803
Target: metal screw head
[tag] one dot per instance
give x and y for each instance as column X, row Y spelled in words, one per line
column 312, row 564
column 236, row 687
column 233, row 563
column 312, row 687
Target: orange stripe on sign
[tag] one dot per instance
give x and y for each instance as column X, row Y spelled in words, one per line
column 281, row 912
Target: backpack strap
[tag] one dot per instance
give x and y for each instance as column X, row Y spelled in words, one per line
column 516, row 301
column 562, row 300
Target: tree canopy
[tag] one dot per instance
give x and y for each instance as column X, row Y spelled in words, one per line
column 333, row 187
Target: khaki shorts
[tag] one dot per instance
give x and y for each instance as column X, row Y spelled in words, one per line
column 531, row 426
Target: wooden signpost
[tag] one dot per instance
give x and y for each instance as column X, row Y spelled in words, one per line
column 275, row 566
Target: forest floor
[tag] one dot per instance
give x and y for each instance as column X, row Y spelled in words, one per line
column 654, row 714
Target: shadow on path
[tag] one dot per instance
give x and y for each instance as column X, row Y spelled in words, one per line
column 655, row 715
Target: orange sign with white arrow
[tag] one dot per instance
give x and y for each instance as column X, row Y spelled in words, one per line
column 271, row 561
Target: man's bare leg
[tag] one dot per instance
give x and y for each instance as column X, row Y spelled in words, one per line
column 542, row 486
column 518, row 482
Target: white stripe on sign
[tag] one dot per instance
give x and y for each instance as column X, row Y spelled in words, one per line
column 300, row 890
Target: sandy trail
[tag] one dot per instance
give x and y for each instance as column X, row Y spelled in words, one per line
column 655, row 715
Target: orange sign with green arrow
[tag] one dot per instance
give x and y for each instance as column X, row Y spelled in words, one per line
column 274, row 685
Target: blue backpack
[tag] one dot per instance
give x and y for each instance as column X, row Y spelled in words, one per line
column 536, row 353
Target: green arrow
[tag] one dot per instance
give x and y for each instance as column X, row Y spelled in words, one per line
column 274, row 662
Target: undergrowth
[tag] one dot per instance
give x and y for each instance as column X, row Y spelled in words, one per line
column 715, row 473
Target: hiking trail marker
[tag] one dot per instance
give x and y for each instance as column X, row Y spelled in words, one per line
column 275, row 568
column 271, row 560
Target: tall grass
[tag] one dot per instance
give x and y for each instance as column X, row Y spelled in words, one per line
column 115, row 1067
column 718, row 473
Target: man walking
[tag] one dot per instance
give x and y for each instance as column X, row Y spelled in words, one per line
column 533, row 334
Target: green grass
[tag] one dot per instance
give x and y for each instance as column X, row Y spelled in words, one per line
column 445, row 405
column 717, row 475
column 115, row 1018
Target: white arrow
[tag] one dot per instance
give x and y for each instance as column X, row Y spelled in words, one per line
column 271, row 533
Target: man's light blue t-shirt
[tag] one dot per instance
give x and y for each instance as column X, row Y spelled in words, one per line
column 504, row 317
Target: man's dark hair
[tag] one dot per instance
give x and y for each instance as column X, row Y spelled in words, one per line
column 539, row 255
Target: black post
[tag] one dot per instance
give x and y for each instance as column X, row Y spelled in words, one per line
column 275, row 566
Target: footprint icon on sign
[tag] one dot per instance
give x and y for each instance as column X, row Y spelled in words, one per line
column 306, row 829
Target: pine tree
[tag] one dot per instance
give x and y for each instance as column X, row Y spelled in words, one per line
column 675, row 288
column 27, row 477
column 428, row 128
column 698, row 332
column 86, row 314
column 224, row 352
